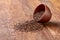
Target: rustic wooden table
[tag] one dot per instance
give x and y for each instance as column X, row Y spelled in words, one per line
column 15, row 11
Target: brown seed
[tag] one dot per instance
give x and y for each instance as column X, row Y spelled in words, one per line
column 38, row 15
column 29, row 26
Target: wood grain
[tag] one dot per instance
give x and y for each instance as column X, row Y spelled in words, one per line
column 19, row 11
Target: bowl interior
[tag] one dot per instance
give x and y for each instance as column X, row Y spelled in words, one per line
column 38, row 12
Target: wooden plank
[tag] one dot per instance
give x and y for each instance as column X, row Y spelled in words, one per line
column 13, row 12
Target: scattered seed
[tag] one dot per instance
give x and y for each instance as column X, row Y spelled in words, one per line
column 29, row 26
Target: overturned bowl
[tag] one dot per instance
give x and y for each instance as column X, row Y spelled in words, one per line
column 42, row 13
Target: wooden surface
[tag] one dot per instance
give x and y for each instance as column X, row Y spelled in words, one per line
column 19, row 11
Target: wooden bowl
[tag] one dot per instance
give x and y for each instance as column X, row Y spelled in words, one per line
column 44, row 12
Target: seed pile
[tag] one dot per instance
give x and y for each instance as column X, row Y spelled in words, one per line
column 29, row 26
column 37, row 16
column 32, row 25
